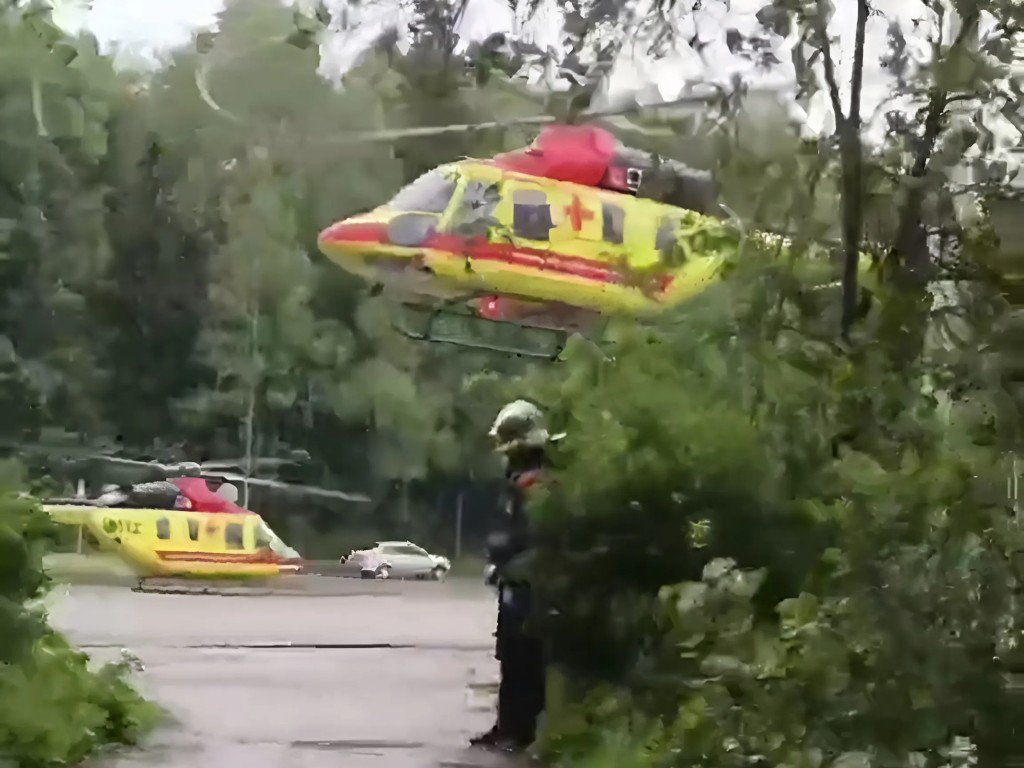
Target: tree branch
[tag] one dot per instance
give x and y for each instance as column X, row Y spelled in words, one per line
column 831, row 82
column 962, row 97
column 938, row 100
column 857, row 77
column 853, row 177
column 848, row 128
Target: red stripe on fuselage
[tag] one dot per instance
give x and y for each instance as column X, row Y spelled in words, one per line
column 479, row 248
column 519, row 256
column 240, row 558
column 355, row 232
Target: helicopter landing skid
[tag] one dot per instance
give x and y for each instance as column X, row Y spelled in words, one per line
column 453, row 322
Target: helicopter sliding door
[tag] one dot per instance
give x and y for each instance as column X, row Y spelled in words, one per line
column 532, row 219
column 547, row 247
column 604, row 234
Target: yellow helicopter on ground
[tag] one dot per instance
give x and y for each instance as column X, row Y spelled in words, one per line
column 178, row 526
column 551, row 237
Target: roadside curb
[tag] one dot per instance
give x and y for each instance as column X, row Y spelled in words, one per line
column 291, row 586
column 93, row 580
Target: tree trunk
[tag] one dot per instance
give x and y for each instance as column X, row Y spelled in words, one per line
column 848, row 127
column 908, row 265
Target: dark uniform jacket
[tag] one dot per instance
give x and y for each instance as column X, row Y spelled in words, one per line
column 509, row 543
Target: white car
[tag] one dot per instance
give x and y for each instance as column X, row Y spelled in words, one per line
column 399, row 560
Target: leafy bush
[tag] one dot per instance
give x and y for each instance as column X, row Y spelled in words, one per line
column 54, row 710
column 757, row 549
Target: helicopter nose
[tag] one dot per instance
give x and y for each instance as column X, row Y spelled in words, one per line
column 350, row 233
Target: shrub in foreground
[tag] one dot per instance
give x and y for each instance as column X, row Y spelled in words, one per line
column 752, row 551
column 54, row 708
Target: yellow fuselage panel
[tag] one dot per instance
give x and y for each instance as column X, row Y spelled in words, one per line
column 472, row 228
column 176, row 542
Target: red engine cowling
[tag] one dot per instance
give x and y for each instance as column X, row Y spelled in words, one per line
column 200, row 498
column 580, row 154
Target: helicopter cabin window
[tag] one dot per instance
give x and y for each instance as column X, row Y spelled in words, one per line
column 234, row 536
column 163, row 528
column 475, row 214
column 430, row 193
column 613, row 220
column 193, row 529
column 531, row 214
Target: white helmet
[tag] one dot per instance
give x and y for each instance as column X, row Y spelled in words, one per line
column 520, row 424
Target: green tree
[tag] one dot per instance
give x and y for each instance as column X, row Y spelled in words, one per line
column 825, row 486
column 55, row 92
column 252, row 157
column 54, row 709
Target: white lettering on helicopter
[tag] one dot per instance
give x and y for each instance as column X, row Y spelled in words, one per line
column 112, row 525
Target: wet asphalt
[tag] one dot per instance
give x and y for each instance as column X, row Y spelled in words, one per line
column 337, row 672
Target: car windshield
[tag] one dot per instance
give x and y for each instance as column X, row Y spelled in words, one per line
column 430, row 193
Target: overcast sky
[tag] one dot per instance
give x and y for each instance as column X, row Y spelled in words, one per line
column 149, row 25
column 145, row 27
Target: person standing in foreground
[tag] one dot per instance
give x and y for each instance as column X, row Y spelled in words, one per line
column 521, row 437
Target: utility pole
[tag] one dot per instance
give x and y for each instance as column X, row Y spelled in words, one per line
column 458, row 526
column 80, row 493
column 1013, row 486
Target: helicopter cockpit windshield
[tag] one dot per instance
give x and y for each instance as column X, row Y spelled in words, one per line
column 265, row 537
column 430, row 193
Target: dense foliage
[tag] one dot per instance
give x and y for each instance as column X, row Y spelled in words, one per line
column 734, row 575
column 56, row 707
column 161, row 294
column 778, row 530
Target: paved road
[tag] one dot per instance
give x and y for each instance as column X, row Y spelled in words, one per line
column 398, row 678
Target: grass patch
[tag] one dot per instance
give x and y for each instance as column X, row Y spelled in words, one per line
column 69, row 567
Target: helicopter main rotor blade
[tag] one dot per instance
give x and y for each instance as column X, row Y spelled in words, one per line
column 364, row 137
column 240, row 464
column 392, row 134
column 231, row 477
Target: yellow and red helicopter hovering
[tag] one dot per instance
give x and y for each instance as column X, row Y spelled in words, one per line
column 553, row 236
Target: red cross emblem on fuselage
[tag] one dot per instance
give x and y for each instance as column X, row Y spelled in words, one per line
column 578, row 214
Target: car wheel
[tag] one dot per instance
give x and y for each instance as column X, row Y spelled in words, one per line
column 384, row 572
column 439, row 573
